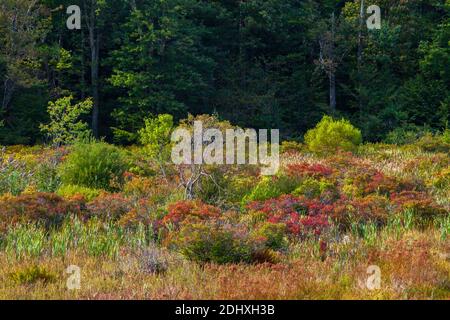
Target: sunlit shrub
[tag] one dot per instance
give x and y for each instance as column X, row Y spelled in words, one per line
column 313, row 188
column 95, row 165
column 316, row 170
column 271, row 187
column 372, row 208
column 420, row 203
column 109, row 206
column 302, row 216
column 68, row 191
column 30, row 275
column 273, row 233
column 238, row 186
column 330, row 135
column 213, row 242
column 46, row 208
column 181, row 210
column 442, row 179
column 433, row 143
column 360, row 182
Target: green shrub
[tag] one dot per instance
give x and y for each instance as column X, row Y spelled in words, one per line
column 273, row 233
column 96, row 165
column 433, row 143
column 313, row 188
column 68, row 191
column 211, row 242
column 65, row 126
column 271, row 187
column 31, row 275
column 46, row 177
column 406, row 134
column 330, row 135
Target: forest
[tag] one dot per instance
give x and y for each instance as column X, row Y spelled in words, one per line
column 257, row 63
column 124, row 131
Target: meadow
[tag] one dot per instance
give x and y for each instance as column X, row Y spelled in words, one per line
column 314, row 230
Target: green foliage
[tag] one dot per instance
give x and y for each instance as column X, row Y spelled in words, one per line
column 68, row 191
column 155, row 136
column 330, row 135
column 273, row 233
column 433, row 143
column 406, row 135
column 271, row 187
column 32, row 274
column 212, row 243
column 313, row 188
column 65, row 126
column 96, row 165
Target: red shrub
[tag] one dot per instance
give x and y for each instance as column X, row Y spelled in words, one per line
column 109, row 206
column 181, row 210
column 46, row 208
column 311, row 170
column 420, row 202
column 302, row 216
column 371, row 208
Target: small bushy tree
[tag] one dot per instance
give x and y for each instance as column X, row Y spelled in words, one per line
column 65, row 126
column 155, row 136
column 330, row 135
column 96, row 165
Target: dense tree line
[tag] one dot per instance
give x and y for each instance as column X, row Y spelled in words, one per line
column 258, row 63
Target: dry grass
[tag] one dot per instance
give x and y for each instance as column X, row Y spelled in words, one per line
column 416, row 266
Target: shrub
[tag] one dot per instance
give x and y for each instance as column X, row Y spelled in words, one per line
column 330, row 135
column 95, row 165
column 359, row 183
column 68, row 191
column 369, row 209
column 155, row 136
column 433, row 143
column 31, row 275
column 271, row 187
column 109, row 206
column 313, row 188
column 273, row 234
column 14, row 176
column 406, row 135
column 420, row 203
column 181, row 210
column 65, row 126
column 302, row 217
column 238, row 186
column 47, row 208
column 213, row 242
column 316, row 170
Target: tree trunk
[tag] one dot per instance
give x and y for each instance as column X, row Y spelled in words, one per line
column 8, row 91
column 94, row 46
column 332, row 72
column 360, row 56
column 332, row 78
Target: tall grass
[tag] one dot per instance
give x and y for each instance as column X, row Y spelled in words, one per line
column 95, row 238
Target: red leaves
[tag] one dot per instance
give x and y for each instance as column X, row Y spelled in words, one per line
column 181, row 210
column 311, row 170
column 302, row 216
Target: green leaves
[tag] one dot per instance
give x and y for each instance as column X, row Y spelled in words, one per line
column 65, row 126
